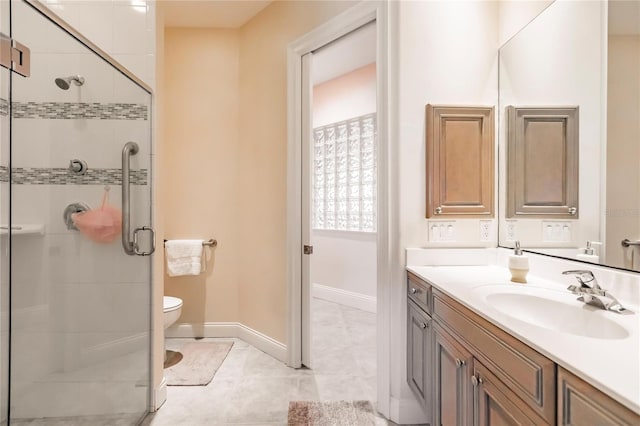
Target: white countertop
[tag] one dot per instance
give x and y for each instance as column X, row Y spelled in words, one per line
column 610, row 365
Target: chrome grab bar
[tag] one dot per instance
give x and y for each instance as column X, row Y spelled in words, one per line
column 131, row 247
column 129, row 149
column 627, row 242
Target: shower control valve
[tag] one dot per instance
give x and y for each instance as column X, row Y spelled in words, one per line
column 78, row 167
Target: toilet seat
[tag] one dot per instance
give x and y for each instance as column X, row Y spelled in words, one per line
column 171, row 303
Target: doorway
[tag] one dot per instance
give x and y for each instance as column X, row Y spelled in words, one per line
column 340, row 282
column 298, row 210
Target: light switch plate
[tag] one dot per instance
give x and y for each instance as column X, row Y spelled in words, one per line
column 442, row 231
column 556, row 231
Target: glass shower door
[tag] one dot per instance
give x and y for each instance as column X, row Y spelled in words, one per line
column 80, row 305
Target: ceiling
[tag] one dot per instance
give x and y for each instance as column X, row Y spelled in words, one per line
column 353, row 51
column 210, row 13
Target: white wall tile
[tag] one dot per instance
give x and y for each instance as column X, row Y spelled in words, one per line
column 42, row 36
column 130, row 35
column 106, row 308
column 95, row 21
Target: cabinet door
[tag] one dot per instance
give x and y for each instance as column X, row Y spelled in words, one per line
column 452, row 374
column 460, row 161
column 419, row 343
column 494, row 404
column 581, row 404
column 542, row 164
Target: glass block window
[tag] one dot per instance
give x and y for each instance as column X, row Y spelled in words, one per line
column 344, row 175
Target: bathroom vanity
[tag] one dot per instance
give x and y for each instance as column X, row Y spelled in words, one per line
column 482, row 350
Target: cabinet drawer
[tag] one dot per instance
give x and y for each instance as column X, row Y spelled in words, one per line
column 419, row 291
column 530, row 375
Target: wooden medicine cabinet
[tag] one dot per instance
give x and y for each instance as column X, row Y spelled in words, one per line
column 542, row 162
column 460, row 161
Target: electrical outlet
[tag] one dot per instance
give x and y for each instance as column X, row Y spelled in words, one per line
column 511, row 230
column 485, row 230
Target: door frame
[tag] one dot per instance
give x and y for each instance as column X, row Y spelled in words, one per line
column 348, row 21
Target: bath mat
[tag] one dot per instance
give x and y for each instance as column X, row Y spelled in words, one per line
column 199, row 363
column 316, row 413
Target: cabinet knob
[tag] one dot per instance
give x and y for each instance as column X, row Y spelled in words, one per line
column 476, row 380
column 459, row 362
column 414, row 290
column 573, row 211
column 423, row 325
column 438, row 210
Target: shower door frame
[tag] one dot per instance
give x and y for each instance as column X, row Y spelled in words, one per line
column 41, row 8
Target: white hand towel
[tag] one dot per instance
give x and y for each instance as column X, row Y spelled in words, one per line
column 184, row 257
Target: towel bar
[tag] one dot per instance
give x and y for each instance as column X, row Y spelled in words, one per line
column 209, row 243
column 626, row 243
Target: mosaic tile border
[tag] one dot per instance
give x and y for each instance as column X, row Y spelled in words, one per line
column 73, row 110
column 62, row 176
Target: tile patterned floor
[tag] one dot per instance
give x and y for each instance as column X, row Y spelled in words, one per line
column 251, row 387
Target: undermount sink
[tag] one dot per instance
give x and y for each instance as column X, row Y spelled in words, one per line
column 551, row 310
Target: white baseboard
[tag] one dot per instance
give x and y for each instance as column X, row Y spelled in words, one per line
column 159, row 396
column 345, row 297
column 230, row 329
column 112, row 349
column 407, row 411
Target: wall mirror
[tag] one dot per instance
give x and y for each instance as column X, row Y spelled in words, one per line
column 590, row 65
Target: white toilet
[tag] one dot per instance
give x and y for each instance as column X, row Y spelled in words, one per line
column 172, row 310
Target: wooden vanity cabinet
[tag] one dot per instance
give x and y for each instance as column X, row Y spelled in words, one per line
column 466, row 371
column 524, row 374
column 452, row 375
column 579, row 403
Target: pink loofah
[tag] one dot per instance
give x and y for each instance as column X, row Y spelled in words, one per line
column 101, row 225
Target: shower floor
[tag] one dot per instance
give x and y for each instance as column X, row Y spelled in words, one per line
column 118, row 386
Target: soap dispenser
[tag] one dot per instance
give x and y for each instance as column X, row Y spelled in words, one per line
column 518, row 265
column 588, row 253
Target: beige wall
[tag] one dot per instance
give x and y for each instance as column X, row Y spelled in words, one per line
column 263, row 147
column 224, row 161
column 200, row 165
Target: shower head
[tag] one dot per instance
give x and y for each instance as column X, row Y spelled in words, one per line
column 65, row 83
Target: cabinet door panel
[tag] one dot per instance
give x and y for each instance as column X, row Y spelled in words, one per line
column 451, row 367
column 496, row 405
column 581, row 404
column 419, row 349
column 460, row 161
column 542, row 166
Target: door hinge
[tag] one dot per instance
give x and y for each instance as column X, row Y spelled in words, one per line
column 308, row 249
column 15, row 56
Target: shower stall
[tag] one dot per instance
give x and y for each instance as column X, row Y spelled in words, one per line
column 75, row 320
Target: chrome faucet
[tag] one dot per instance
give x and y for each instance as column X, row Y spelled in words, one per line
column 591, row 293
